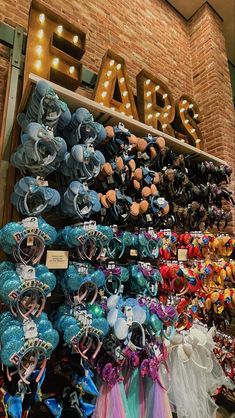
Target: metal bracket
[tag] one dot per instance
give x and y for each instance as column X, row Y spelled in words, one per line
column 15, row 70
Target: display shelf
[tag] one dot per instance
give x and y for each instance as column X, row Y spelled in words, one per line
column 107, row 116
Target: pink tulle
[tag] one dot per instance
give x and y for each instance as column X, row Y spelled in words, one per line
column 156, row 400
column 109, row 403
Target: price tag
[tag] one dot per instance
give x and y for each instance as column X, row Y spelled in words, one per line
column 110, row 180
column 129, row 315
column 121, row 288
column 133, row 252
column 30, row 329
column 182, row 254
column 145, row 156
column 30, row 222
column 41, row 182
column 25, row 272
column 30, row 241
column 156, row 350
column 149, row 217
column 111, row 265
column 57, row 259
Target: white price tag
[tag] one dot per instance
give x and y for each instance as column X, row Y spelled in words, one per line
column 30, row 329
column 30, row 222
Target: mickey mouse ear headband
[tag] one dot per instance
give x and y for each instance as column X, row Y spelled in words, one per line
column 26, row 240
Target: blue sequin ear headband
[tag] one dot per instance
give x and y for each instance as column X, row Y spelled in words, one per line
column 26, row 290
column 82, row 282
column 26, row 240
column 82, row 331
column 31, row 199
column 26, row 346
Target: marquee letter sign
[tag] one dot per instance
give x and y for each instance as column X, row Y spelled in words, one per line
column 112, row 88
column 54, row 48
column 188, row 116
column 156, row 105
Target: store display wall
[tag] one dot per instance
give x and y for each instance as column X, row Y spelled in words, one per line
column 189, row 56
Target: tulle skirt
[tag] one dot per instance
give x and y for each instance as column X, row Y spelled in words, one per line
column 134, row 398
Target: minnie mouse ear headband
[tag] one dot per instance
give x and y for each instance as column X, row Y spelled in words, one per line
column 80, row 202
column 45, row 108
column 89, row 239
column 26, row 346
column 83, row 162
column 26, row 240
column 40, row 152
column 83, row 130
column 125, row 316
column 81, row 282
column 26, row 289
column 32, row 199
column 81, row 329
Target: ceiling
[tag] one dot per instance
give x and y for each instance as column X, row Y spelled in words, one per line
column 225, row 8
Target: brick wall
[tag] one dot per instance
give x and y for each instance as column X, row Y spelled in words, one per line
column 212, row 84
column 189, row 56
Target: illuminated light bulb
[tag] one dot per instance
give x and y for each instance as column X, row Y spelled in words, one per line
column 71, row 69
column 102, row 103
column 147, row 82
column 119, row 66
column 122, row 79
column 157, row 88
column 38, row 64
column 184, row 101
column 168, row 107
column 164, row 125
column 112, row 108
column 165, row 115
column 109, row 72
column 42, row 18
column 165, row 95
column 104, row 94
column 125, row 93
column 191, row 105
column 55, row 61
column 182, row 140
column 148, row 93
column 197, row 141
column 39, row 49
column 111, row 63
column 150, row 116
column 128, row 105
column 131, row 116
column 186, row 121
column 182, row 110
column 40, row 33
column 106, row 83
column 149, row 105
column 75, row 39
column 122, row 113
column 157, row 114
column 193, row 130
column 59, row 29
column 195, row 116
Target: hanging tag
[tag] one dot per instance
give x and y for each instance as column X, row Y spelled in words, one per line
column 41, row 181
column 30, row 222
column 129, row 315
column 121, row 288
column 103, row 212
column 110, row 180
column 149, row 217
column 25, row 272
column 118, row 353
column 103, row 253
column 156, row 350
column 111, row 265
column 30, row 329
column 133, row 252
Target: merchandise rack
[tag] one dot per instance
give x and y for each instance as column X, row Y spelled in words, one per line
column 103, row 115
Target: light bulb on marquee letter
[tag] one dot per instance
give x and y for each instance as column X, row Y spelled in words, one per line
column 154, row 95
column 118, row 93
